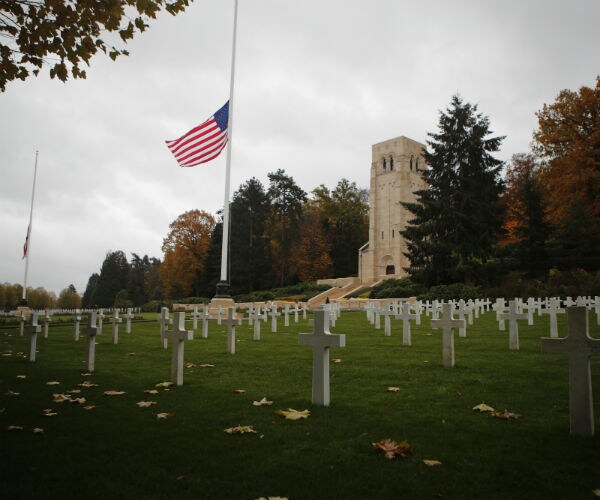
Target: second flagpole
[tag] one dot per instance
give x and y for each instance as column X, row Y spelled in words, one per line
column 223, row 285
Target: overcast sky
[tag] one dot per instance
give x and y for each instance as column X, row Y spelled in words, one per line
column 317, row 83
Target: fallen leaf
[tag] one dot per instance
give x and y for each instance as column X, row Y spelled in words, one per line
column 505, row 414
column 11, row 393
column 86, row 374
column 596, row 492
column 240, row 429
column 14, row 428
column 60, row 398
column 432, row 463
column 53, row 382
column 336, row 360
column 164, row 384
column 207, row 365
column 113, row 393
column 38, row 430
column 146, row 404
column 262, row 402
column 151, row 391
column 160, row 416
column 78, row 401
column 393, row 389
column 74, row 391
column 89, row 407
column 22, row 376
column 393, row 449
column 482, row 407
column 87, row 383
column 239, row 391
column 190, row 365
column 291, row 414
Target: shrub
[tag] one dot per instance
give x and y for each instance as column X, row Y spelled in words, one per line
column 401, row 288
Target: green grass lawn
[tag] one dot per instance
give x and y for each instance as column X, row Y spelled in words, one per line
column 118, row 450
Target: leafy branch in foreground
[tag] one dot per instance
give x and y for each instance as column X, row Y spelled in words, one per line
column 63, row 34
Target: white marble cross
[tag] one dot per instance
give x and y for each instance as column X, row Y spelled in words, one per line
column 219, row 314
column 23, row 320
column 530, row 308
column 597, row 309
column 578, row 346
column 304, row 310
column 461, row 311
column 513, row 327
column 321, row 340
column 296, row 311
column 205, row 318
column 115, row 320
column 405, row 315
column 46, row 319
column 100, row 317
column 274, row 315
column 286, row 315
column 387, row 312
column 91, row 331
column 163, row 319
column 196, row 315
column 231, row 323
column 447, row 324
column 552, row 310
column 499, row 307
column 76, row 322
column 256, row 319
column 128, row 317
column 178, row 336
column 251, row 314
column 33, row 331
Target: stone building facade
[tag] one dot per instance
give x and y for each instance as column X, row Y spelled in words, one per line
column 396, row 168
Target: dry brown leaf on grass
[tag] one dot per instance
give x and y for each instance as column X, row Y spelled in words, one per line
column 86, row 374
column 337, row 361
column 21, row 377
column 164, row 415
column 87, row 383
column 505, row 415
column 262, row 402
column 150, row 391
column 392, row 449
column 190, row 365
column 14, row 428
column 11, row 393
column 145, row 404
column 53, row 382
column 89, row 407
column 596, row 492
column 60, row 398
column 432, row 463
column 38, row 430
column 207, row 365
column 241, row 429
column 239, row 391
column 482, row 407
column 74, row 391
column 48, row 412
column 291, row 414
column 77, row 401
column 393, row 389
column 113, row 393
column 164, row 384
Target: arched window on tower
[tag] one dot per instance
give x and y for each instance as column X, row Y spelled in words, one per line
column 384, row 164
column 391, row 164
column 411, row 161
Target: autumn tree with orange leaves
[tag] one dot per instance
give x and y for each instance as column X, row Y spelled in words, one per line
column 568, row 143
column 185, row 249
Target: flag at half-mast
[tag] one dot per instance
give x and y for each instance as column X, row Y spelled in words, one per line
column 26, row 242
column 204, row 142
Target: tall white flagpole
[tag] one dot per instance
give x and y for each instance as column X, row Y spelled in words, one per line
column 28, row 238
column 223, row 285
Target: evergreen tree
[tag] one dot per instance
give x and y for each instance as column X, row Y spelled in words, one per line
column 207, row 282
column 113, row 278
column 457, row 219
column 286, row 199
column 249, row 262
column 89, row 296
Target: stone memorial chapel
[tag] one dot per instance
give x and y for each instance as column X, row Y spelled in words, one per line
column 396, row 168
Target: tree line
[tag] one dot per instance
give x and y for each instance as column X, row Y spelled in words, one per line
column 38, row 298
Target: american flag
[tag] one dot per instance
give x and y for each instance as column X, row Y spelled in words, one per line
column 204, row 142
column 26, row 242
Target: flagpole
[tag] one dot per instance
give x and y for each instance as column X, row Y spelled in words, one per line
column 223, row 285
column 28, row 240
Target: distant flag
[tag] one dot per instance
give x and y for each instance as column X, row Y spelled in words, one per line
column 204, row 142
column 26, row 242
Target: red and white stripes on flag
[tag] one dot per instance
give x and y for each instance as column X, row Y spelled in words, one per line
column 26, row 242
column 204, row 142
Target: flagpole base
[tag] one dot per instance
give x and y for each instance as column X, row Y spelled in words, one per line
column 222, row 290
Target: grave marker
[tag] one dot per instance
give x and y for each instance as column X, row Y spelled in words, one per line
column 91, row 331
column 195, row 316
column 178, row 336
column 100, row 320
column 513, row 327
column 405, row 315
column 274, row 315
column 321, row 340
column 33, row 331
column 128, row 317
column 552, row 310
column 578, row 346
column 46, row 319
column 115, row 320
column 231, row 323
column 163, row 319
column 447, row 324
column 205, row 318
column 76, row 321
